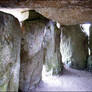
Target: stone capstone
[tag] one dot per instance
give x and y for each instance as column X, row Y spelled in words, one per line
column 74, row 46
column 10, row 38
column 66, row 12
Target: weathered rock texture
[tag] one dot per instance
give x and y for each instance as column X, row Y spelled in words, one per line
column 31, row 54
column 74, row 46
column 67, row 16
column 52, row 56
column 64, row 11
column 90, row 39
column 90, row 47
column 9, row 52
column 89, row 64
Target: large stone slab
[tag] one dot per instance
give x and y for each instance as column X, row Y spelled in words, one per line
column 10, row 34
column 66, row 12
column 90, row 39
column 90, row 48
column 52, row 55
column 31, row 54
column 74, row 46
column 89, row 64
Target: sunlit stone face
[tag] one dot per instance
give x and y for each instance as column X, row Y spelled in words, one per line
column 58, row 25
column 86, row 28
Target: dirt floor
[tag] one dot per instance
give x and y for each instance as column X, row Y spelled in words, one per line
column 71, row 80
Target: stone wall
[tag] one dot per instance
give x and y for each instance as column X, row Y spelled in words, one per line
column 31, row 54
column 90, row 39
column 10, row 38
column 90, row 47
column 74, row 46
column 52, row 57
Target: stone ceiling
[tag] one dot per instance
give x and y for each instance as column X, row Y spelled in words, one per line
column 66, row 12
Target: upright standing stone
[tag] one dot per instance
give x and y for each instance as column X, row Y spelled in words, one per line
column 90, row 47
column 9, row 53
column 74, row 46
column 90, row 39
column 53, row 59
column 31, row 54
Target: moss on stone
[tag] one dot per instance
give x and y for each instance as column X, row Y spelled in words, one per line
column 3, row 88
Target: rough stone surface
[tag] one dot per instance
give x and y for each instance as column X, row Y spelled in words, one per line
column 74, row 46
column 31, row 54
column 67, row 16
column 90, row 39
column 52, row 56
column 89, row 64
column 64, row 11
column 46, row 3
column 9, row 52
column 90, row 47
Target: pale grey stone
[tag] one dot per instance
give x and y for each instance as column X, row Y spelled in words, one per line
column 10, row 38
column 74, row 46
